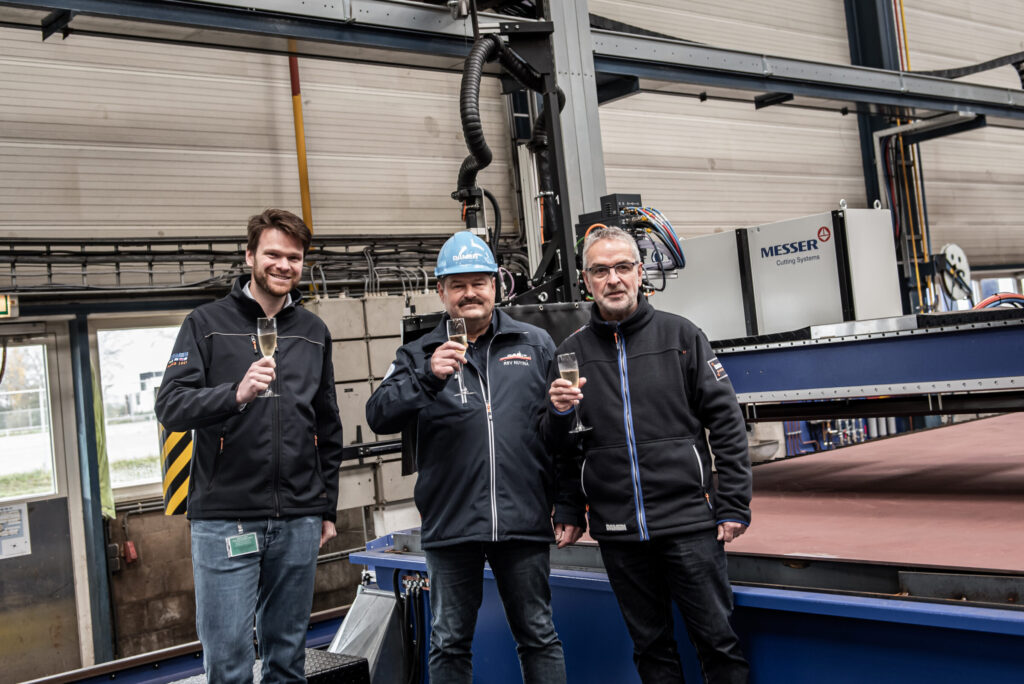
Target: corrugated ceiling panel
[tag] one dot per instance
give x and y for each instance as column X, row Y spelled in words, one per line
column 801, row 29
column 136, row 138
column 973, row 180
column 714, row 165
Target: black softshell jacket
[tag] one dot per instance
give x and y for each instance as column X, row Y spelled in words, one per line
column 275, row 456
column 653, row 386
column 484, row 473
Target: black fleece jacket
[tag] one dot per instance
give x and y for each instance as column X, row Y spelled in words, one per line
column 484, row 473
column 276, row 456
column 653, row 386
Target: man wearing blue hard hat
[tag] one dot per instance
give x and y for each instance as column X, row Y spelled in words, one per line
column 486, row 482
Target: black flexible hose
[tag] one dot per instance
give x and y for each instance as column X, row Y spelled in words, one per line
column 418, row 637
column 483, row 51
column 539, row 145
column 518, row 69
column 497, row 220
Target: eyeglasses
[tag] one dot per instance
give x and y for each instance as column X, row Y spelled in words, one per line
column 622, row 270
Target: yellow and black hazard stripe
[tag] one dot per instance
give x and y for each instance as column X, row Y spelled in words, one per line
column 177, row 455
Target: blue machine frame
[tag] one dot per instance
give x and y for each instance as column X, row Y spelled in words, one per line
column 788, row 635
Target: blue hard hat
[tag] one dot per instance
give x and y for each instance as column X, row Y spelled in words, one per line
column 464, row 253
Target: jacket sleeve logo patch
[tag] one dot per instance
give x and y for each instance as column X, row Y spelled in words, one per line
column 516, row 358
column 717, row 368
column 179, row 359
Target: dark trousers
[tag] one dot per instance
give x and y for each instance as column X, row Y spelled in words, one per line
column 689, row 569
column 521, row 571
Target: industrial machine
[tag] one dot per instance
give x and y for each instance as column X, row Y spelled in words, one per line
column 808, row 320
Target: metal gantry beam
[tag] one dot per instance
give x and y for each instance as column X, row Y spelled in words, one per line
column 674, row 61
column 402, row 32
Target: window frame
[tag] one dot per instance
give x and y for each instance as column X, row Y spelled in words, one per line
column 60, row 396
column 125, row 321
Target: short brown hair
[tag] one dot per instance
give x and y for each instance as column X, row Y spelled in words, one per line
column 284, row 221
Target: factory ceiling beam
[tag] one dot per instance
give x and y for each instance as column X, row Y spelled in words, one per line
column 666, row 61
column 377, row 31
column 425, row 35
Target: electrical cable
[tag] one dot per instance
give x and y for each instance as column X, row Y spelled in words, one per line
column 587, row 234
column 658, row 258
column 3, row 360
column 958, row 276
column 402, row 604
column 1002, row 298
column 497, row 220
column 502, row 272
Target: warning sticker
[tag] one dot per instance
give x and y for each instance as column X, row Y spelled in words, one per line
column 717, row 368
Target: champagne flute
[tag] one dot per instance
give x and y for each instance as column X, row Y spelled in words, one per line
column 457, row 333
column 569, row 370
column 266, row 333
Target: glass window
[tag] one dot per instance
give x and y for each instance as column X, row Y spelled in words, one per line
column 132, row 363
column 26, row 438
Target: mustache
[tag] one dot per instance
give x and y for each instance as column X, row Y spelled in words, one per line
column 470, row 300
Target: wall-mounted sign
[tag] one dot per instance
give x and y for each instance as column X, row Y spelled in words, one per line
column 15, row 539
column 8, row 306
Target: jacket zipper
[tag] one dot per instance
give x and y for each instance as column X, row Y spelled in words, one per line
column 217, row 460
column 627, row 417
column 700, row 469
column 276, row 439
column 490, row 441
column 583, row 469
column 316, row 453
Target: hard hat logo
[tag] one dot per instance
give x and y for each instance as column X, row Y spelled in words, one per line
column 475, row 254
column 464, row 253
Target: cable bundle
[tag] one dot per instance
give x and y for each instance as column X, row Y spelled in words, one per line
column 1002, row 299
column 659, row 227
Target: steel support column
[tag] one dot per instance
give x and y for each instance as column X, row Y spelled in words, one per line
column 95, row 543
column 581, row 126
column 872, row 36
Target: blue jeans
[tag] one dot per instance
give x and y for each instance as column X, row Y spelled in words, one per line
column 273, row 586
column 521, row 571
column 689, row 569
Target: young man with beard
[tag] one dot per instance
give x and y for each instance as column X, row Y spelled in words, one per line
column 486, row 482
column 653, row 385
column 263, row 486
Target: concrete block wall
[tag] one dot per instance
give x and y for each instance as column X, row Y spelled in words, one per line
column 365, row 333
column 154, row 597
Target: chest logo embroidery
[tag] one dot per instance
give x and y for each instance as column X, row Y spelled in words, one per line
column 516, row 358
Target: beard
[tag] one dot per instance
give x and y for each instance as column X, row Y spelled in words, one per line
column 619, row 307
column 273, row 286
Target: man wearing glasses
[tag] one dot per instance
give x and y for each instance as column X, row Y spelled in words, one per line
column 653, row 386
column 486, row 481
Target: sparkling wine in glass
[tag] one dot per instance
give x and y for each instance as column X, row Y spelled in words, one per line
column 266, row 333
column 569, row 370
column 457, row 333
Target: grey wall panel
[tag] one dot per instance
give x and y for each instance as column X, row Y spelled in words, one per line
column 973, row 180
column 38, row 625
column 130, row 138
column 802, row 29
column 720, row 165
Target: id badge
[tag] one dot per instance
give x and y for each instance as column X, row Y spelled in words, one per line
column 242, row 544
